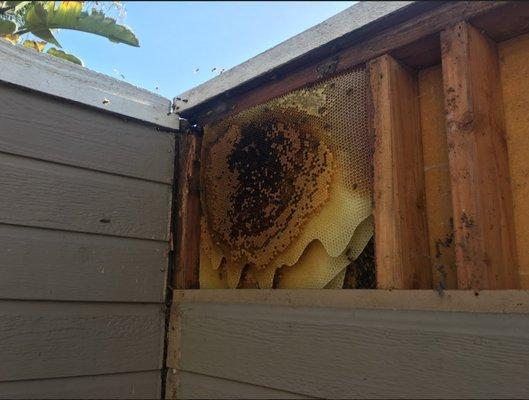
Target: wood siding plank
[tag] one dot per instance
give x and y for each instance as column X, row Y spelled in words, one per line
column 46, row 128
column 479, row 168
column 36, row 193
column 344, row 353
column 134, row 385
column 59, row 339
column 401, row 233
column 187, row 385
column 42, row 264
column 187, row 225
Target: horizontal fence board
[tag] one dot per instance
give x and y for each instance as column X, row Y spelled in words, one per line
column 187, row 385
column 36, row 193
column 42, row 264
column 134, row 385
column 42, row 127
column 59, row 339
column 343, row 353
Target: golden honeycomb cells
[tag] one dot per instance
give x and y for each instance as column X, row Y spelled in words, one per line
column 286, row 184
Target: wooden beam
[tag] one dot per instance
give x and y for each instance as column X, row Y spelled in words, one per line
column 479, row 168
column 401, row 234
column 187, row 224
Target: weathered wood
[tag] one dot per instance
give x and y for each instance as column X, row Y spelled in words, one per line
column 43, row 264
column 512, row 21
column 187, row 226
column 437, row 178
column 514, row 69
column 133, row 385
column 344, row 353
column 485, row 301
column 187, row 385
column 60, row 339
column 340, row 59
column 45, row 128
column 479, row 167
column 401, row 234
column 42, row 194
column 53, row 76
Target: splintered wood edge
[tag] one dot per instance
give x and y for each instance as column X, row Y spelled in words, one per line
column 50, row 75
column 487, row 301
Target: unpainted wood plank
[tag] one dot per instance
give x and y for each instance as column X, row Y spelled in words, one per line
column 484, row 301
column 514, row 71
column 133, row 385
column 342, row 58
column 60, row 339
column 479, row 167
column 337, row 353
column 401, row 233
column 188, row 385
column 437, row 178
column 41, row 194
column 60, row 78
column 46, row 128
column 187, row 225
column 43, row 264
column 512, row 21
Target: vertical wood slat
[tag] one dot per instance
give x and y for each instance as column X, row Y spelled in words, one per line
column 187, row 225
column 479, row 169
column 401, row 235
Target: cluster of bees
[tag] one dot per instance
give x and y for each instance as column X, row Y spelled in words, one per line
column 269, row 171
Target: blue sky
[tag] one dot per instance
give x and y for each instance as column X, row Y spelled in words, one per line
column 178, row 37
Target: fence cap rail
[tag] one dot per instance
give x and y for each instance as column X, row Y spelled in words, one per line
column 50, row 75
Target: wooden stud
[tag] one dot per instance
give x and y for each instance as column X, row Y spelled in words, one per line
column 187, row 225
column 401, row 234
column 479, row 168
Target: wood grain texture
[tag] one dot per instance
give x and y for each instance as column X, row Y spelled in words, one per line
column 401, row 233
column 60, row 78
column 338, row 59
column 479, row 167
column 345, row 353
column 187, row 385
column 36, row 193
column 514, row 71
column 59, row 339
column 187, row 225
column 437, row 178
column 42, row 264
column 133, row 385
column 484, row 301
column 46, row 128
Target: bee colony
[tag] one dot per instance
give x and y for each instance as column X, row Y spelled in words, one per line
column 286, row 188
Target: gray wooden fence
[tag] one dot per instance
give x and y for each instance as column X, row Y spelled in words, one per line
column 84, row 226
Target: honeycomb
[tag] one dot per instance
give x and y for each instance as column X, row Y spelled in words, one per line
column 287, row 185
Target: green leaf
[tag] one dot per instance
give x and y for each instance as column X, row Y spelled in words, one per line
column 65, row 56
column 46, row 35
column 36, row 22
column 68, row 15
column 7, row 27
